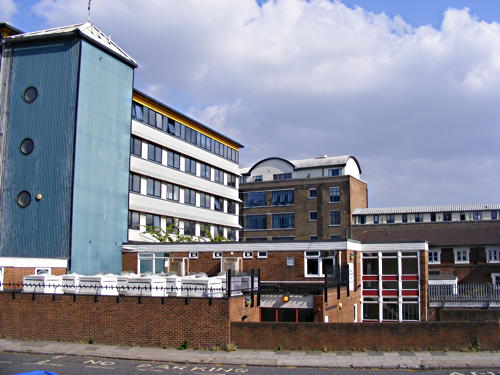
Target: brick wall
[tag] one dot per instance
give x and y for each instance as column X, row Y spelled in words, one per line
column 340, row 308
column 123, row 322
column 129, row 262
column 366, row 336
column 14, row 275
column 464, row 314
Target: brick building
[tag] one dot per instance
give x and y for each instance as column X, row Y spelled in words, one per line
column 309, row 199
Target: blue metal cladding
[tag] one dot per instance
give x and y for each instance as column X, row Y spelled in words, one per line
column 100, row 198
column 43, row 228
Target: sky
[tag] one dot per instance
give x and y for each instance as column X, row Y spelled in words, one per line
column 410, row 88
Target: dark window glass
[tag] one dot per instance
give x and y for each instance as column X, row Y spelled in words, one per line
column 27, row 146
column 390, row 311
column 409, row 266
column 255, row 222
column 189, row 228
column 335, row 237
column 433, row 216
column 389, row 266
column 258, row 178
column 370, row 266
column 447, row 216
column 231, row 234
column 419, row 218
column 173, row 192
column 231, row 180
column 173, row 159
column 391, row 218
column 218, row 175
column 375, row 219
column 267, row 315
column 170, row 126
column 282, row 197
column 204, row 230
column 190, row 165
column 370, row 311
column 306, row 315
column 313, row 215
column 282, row 176
column 137, row 111
column 282, row 221
column 462, row 216
column 24, row 199
column 404, row 218
column 255, row 199
column 312, row 266
column 205, row 171
column 153, row 221
column 218, row 231
column 136, row 147
column 334, row 217
column 135, row 183
column 152, row 117
column 133, row 220
column 478, row 215
column 287, row 315
column 189, row 196
column 204, row 200
column 282, row 238
column 334, row 194
column 494, row 215
column 231, row 207
column 154, row 153
column 313, row 193
column 410, row 311
column 334, row 172
column 218, row 204
column 30, row 95
column 153, row 187
column 361, row 219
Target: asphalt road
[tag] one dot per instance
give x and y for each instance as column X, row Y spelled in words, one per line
column 14, row 363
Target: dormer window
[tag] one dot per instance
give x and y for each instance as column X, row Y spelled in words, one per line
column 282, row 176
column 257, row 178
column 334, row 172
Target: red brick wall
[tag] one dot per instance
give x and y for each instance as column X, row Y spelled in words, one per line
column 14, row 275
column 129, row 262
column 127, row 322
column 366, row 336
column 341, row 310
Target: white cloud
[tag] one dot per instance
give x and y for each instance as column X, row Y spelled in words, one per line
column 7, row 9
column 296, row 79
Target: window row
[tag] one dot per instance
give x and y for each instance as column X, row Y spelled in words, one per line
column 427, row 217
column 462, row 255
column 285, row 221
column 164, row 190
column 141, row 221
column 175, row 160
column 266, row 198
column 178, row 130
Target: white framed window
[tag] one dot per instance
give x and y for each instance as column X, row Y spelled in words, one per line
column 43, row 271
column 248, row 254
column 435, row 256
column 316, row 263
column 493, row 255
column 313, row 193
column 262, row 254
column 217, row 255
column 461, row 255
column 290, row 261
column 495, row 280
column 313, row 215
column 334, row 194
column 193, row 255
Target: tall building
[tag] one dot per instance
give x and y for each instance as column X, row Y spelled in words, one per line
column 310, row 199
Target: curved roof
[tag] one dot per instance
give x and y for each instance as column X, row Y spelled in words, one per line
column 322, row 161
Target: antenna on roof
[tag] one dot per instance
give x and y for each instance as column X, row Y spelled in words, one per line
column 88, row 19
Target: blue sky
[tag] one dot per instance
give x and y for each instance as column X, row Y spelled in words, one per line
column 411, row 88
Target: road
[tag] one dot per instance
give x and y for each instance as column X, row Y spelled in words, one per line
column 14, row 363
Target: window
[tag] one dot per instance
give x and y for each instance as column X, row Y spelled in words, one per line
column 478, row 215
column 135, row 183
column 290, row 261
column 189, row 196
column 218, row 231
column 255, row 199
column 391, row 218
column 313, row 193
column 335, row 237
column 258, row 178
column 375, row 219
column 446, row 216
column 461, row 255
column 462, row 216
column 282, row 239
column 205, row 171
column 435, row 256
column 495, row 280
column 419, row 218
column 204, row 200
column 282, row 197
column 334, row 172
column 154, row 153
column 282, row 176
column 26, row 147
column 173, row 192
column 136, row 147
column 313, row 215
column 231, row 207
column 218, row 175
column 282, row 221
column 433, row 216
column 248, row 254
column 256, row 222
column 333, row 217
column 193, row 255
column 262, row 254
column 231, row 180
column 218, row 204
column 133, row 220
column 494, row 215
column 189, row 228
column 243, row 179
column 30, row 94
column 173, row 159
column 312, row 263
column 231, row 234
column 313, row 238
column 154, row 263
column 404, row 218
column 153, row 221
column 493, row 255
column 190, row 165
column 153, row 188
column 42, row 271
column 361, row 219
column 334, row 194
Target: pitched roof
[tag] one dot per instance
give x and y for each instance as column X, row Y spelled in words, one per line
column 87, row 30
column 426, row 209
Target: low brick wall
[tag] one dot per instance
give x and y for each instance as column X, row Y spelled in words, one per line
column 366, row 336
column 119, row 322
column 466, row 315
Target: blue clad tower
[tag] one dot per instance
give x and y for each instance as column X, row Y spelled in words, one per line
column 65, row 105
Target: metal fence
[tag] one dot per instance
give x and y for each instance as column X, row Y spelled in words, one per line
column 470, row 292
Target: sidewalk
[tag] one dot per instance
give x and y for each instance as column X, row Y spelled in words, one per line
column 420, row 360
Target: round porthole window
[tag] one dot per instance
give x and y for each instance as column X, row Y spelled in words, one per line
column 30, row 94
column 27, row 146
column 24, row 199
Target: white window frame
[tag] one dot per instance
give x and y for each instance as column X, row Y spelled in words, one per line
column 496, row 257
column 494, row 277
column 217, row 255
column 48, row 269
column 438, row 252
column 262, row 254
column 290, row 262
column 330, row 189
column 306, row 257
column 461, row 250
column 310, row 212
column 309, row 193
column 248, row 255
column 340, row 219
column 193, row 255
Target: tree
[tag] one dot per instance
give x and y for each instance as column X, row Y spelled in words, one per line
column 171, row 234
